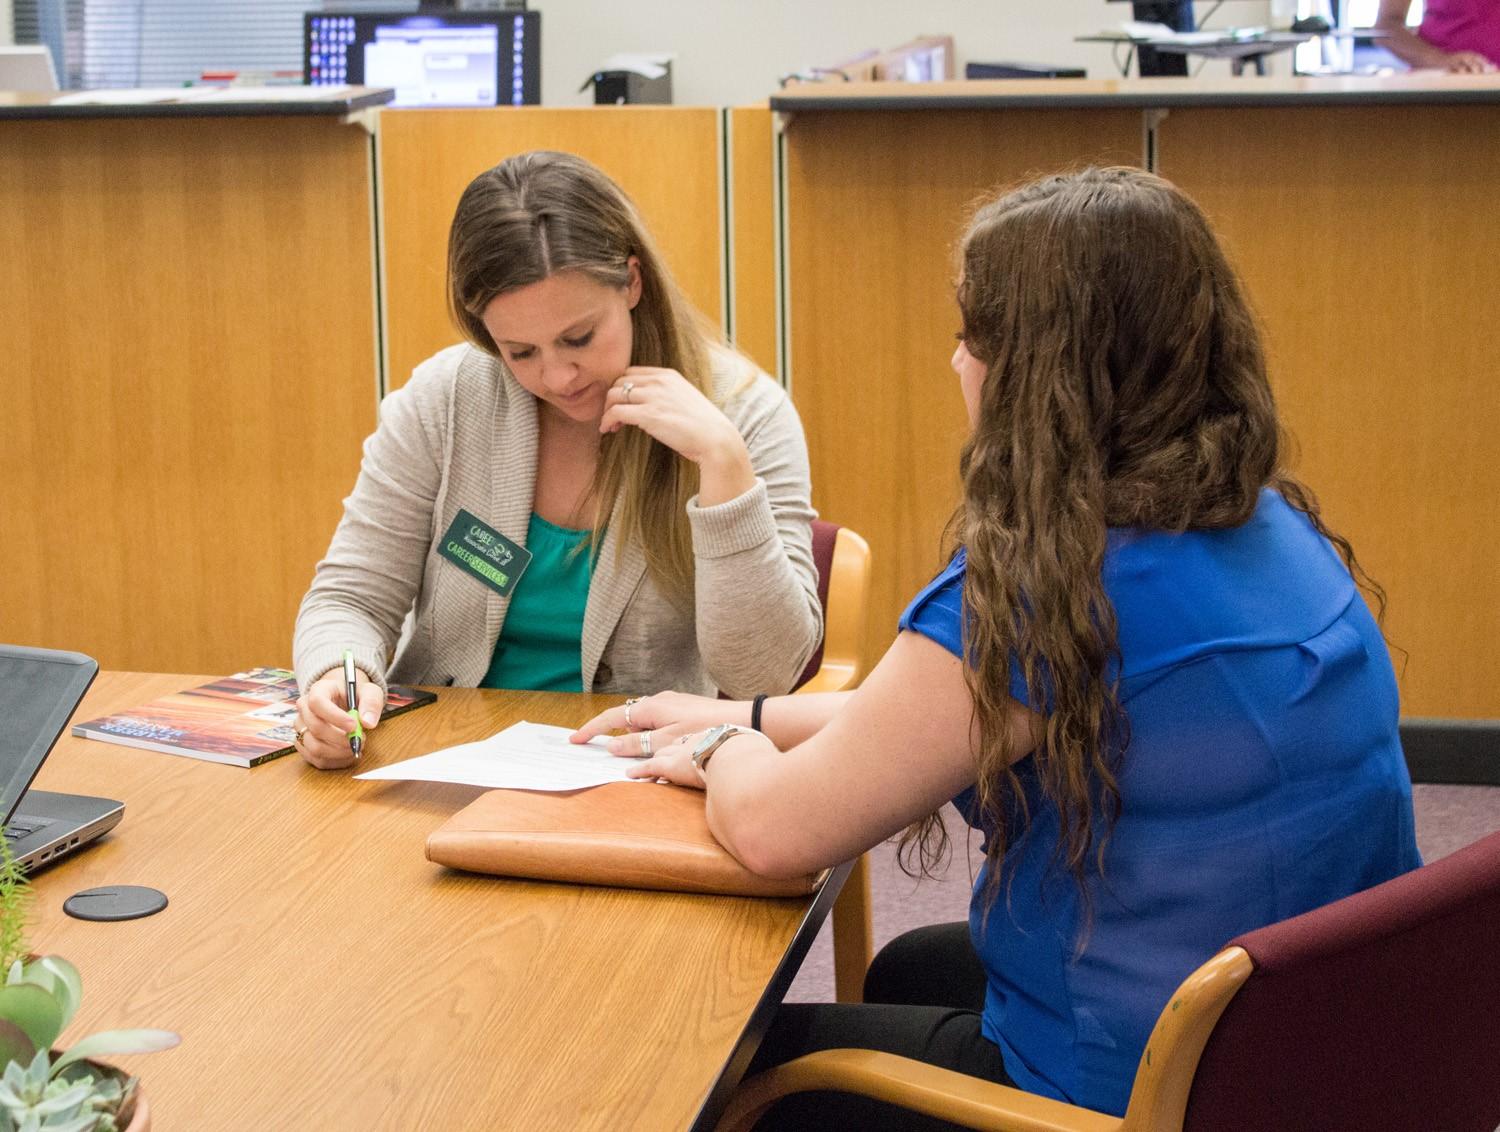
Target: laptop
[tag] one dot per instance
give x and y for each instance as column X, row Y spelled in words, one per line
column 39, row 691
column 27, row 69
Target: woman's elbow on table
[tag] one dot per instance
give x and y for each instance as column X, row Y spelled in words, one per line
column 760, row 841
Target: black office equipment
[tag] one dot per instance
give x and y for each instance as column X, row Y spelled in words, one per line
column 613, row 88
column 448, row 58
column 1177, row 15
column 39, row 691
column 1021, row 71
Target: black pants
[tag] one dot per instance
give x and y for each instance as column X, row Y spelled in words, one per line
column 923, row 997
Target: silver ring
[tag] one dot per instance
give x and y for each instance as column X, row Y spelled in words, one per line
column 298, row 733
column 628, row 388
column 628, row 705
column 645, row 738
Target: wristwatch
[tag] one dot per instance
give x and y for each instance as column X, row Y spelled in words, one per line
column 713, row 739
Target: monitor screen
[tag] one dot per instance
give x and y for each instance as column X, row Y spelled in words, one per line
column 455, row 59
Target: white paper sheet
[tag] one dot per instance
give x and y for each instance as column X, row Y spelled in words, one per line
column 525, row 756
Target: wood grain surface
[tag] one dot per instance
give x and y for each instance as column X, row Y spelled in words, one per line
column 753, row 233
column 876, row 203
column 325, row 975
column 666, row 158
column 1368, row 240
column 187, row 363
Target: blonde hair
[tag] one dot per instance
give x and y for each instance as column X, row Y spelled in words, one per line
column 540, row 213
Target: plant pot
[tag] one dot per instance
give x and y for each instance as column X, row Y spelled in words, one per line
column 140, row 1121
column 139, row 1111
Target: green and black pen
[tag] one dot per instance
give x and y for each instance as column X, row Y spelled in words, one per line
column 351, row 698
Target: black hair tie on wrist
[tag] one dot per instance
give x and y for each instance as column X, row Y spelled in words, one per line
column 755, row 706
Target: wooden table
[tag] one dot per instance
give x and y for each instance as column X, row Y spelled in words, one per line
column 323, row 974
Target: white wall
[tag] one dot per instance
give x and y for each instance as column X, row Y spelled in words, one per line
column 6, row 31
column 730, row 52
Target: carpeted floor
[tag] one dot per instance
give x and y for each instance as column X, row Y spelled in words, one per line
column 1448, row 817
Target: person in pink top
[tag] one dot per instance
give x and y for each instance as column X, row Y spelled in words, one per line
column 1456, row 35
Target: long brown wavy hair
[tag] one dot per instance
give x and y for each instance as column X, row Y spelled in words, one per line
column 539, row 213
column 1125, row 386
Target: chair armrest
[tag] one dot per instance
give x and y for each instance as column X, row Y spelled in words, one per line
column 913, row 1085
column 833, row 676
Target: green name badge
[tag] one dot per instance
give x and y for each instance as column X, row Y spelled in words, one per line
column 484, row 553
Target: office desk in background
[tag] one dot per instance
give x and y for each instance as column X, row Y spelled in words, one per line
column 1358, row 211
column 187, row 346
column 324, row 974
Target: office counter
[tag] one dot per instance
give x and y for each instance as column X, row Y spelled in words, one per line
column 194, row 102
column 198, row 314
column 187, row 366
column 1361, row 215
column 1421, row 88
column 324, row 974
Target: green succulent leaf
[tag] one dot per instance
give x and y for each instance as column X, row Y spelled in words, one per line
column 15, row 1076
column 85, row 1123
column 14, row 1044
column 17, row 969
column 107, row 1043
column 69, row 1098
column 34, row 1010
column 69, row 984
column 38, row 1072
column 37, row 976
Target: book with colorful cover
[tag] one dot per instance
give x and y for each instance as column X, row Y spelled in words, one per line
column 242, row 720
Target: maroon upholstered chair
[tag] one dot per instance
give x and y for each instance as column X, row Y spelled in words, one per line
column 1377, row 1013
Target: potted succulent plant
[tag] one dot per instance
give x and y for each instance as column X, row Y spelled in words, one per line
column 44, row 1089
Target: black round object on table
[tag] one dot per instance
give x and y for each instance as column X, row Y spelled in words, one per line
column 115, row 902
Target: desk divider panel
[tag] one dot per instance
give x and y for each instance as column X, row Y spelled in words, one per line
column 666, row 158
column 876, row 202
column 1367, row 237
column 187, row 355
column 752, row 237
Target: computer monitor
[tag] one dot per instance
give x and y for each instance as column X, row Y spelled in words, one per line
column 443, row 59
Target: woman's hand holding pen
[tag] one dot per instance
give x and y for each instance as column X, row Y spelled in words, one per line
column 671, row 409
column 323, row 723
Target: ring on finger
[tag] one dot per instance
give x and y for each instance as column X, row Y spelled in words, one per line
column 628, row 705
column 645, row 740
column 297, row 734
column 628, row 388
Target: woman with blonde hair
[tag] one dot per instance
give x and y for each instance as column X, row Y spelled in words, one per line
column 1146, row 674
column 590, row 494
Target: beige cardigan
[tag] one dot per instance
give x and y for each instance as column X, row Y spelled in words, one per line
column 463, row 434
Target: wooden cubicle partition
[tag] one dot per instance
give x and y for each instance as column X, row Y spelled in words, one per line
column 667, row 158
column 1367, row 237
column 875, row 201
column 752, row 235
column 187, row 355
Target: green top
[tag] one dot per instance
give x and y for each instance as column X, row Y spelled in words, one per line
column 541, row 643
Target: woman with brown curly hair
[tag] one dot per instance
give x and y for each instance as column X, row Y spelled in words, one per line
column 1146, row 673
